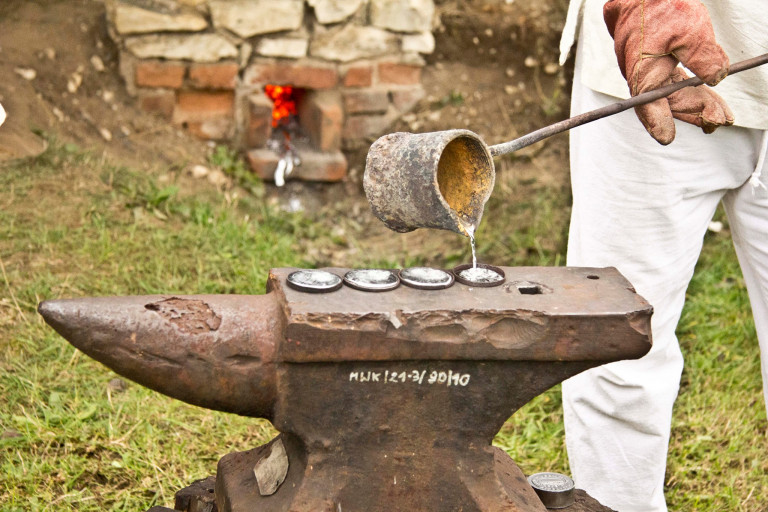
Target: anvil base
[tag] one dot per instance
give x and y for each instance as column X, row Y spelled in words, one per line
column 201, row 495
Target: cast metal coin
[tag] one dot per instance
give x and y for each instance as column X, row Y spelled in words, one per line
column 554, row 489
column 372, row 279
column 426, row 278
column 313, row 281
column 483, row 276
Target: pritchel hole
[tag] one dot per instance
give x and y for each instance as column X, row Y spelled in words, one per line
column 592, row 276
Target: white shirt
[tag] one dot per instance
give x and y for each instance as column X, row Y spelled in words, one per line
column 740, row 28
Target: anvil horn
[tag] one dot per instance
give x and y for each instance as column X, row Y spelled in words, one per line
column 215, row 351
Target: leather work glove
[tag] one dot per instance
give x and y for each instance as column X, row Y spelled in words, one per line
column 650, row 38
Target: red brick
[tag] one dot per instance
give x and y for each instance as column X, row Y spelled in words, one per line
column 152, row 73
column 213, row 76
column 158, row 101
column 208, row 115
column 399, row 74
column 201, row 106
column 322, row 117
column 263, row 163
column 298, row 75
column 322, row 167
column 259, row 121
column 366, row 102
column 360, row 76
column 314, row 166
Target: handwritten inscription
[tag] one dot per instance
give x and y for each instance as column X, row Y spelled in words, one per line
column 443, row 378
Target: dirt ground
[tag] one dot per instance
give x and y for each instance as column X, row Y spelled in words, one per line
column 494, row 72
column 60, row 77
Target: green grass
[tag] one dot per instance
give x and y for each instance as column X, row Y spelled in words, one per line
column 719, row 429
column 73, row 225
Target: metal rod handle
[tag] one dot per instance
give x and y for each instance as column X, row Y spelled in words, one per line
column 593, row 115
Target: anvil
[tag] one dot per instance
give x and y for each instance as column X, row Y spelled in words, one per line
column 384, row 401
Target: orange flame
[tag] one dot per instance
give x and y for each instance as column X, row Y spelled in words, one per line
column 285, row 103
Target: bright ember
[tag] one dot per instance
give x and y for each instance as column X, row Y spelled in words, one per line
column 284, row 100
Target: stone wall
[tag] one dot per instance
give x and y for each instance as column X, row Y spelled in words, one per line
column 203, row 64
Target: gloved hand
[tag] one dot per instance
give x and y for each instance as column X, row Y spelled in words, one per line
column 650, row 38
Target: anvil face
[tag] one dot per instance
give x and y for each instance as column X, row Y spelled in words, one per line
column 386, row 401
column 539, row 314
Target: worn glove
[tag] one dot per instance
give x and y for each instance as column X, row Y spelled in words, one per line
column 650, row 38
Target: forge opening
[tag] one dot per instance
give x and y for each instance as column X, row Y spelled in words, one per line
column 287, row 132
column 295, row 133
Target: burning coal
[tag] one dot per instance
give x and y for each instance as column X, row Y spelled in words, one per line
column 285, row 129
column 284, row 101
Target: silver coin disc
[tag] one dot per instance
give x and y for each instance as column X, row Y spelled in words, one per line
column 554, row 489
column 314, row 281
column 482, row 276
column 426, row 278
column 372, row 279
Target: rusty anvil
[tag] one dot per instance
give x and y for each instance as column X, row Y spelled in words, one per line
column 385, row 401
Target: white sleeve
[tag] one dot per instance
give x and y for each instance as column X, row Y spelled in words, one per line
column 601, row 73
column 571, row 28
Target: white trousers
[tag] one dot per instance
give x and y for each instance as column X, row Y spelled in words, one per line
column 644, row 208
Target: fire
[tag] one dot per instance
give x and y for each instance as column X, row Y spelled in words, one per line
column 285, row 102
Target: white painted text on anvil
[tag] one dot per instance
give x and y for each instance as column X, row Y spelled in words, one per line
column 448, row 378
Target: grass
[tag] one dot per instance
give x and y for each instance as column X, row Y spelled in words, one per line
column 719, row 428
column 73, row 225
column 71, row 437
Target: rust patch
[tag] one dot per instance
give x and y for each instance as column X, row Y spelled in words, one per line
column 189, row 315
column 448, row 333
column 515, row 333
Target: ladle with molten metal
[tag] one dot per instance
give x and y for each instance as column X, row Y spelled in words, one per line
column 443, row 179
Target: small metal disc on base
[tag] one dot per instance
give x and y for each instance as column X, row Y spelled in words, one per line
column 313, row 281
column 426, row 278
column 372, row 279
column 484, row 276
column 554, row 489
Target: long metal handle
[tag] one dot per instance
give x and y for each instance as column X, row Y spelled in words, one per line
column 593, row 115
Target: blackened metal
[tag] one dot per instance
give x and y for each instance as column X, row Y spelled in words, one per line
column 372, row 280
column 583, row 502
column 457, row 270
column 554, row 489
column 314, row 281
column 198, row 497
column 425, row 278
